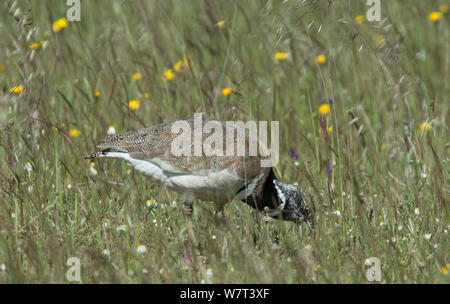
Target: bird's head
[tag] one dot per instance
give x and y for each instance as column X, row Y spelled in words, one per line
column 296, row 204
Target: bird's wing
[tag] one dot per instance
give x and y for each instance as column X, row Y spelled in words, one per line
column 154, row 144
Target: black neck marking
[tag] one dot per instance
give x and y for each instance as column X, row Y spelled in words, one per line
column 264, row 195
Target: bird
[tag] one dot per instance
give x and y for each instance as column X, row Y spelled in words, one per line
column 215, row 177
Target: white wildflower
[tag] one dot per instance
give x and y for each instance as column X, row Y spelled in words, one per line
column 28, row 167
column 111, row 130
column 141, row 249
column 93, row 170
column 209, row 272
column 122, row 228
column 151, row 202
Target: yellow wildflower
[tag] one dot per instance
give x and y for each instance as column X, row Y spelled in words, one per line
column 321, row 59
column 134, row 104
column 177, row 67
column 97, row 94
column 383, row 147
column 444, row 8
column 137, row 76
column 444, row 270
column 281, row 56
column 405, row 262
column 16, row 90
column 360, row 19
column 425, row 126
column 60, row 24
column 380, row 41
column 185, row 60
column 324, row 109
column 221, row 24
column 75, row 132
column 227, row 91
column 330, row 129
column 36, row 46
column 2, row 68
column 169, row 75
column 150, row 202
column 435, row 16
column 92, row 169
column 147, row 95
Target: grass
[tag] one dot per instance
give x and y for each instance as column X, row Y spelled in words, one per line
column 383, row 166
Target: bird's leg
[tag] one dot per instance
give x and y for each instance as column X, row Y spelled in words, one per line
column 188, row 208
column 221, row 216
column 220, row 211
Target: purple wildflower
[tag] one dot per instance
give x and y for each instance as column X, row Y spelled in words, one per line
column 330, row 168
column 294, row 154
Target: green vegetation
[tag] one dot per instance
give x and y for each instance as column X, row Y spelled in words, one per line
column 379, row 175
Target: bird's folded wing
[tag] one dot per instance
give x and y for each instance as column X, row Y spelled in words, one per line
column 154, row 144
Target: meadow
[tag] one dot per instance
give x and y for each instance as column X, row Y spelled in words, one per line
column 363, row 111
